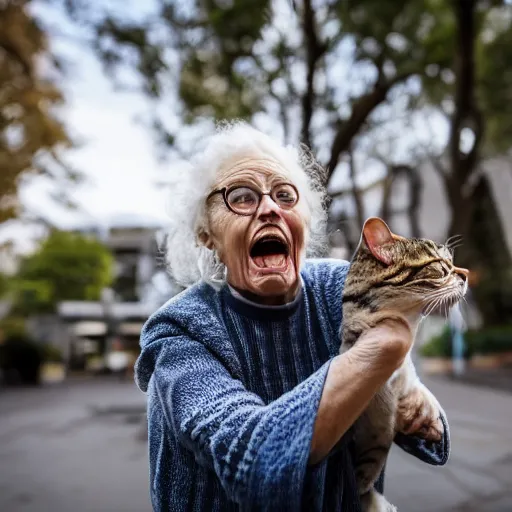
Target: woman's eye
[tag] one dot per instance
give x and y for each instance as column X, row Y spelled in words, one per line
column 286, row 195
column 241, row 196
column 242, row 199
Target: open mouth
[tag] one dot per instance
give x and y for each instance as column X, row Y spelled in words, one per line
column 270, row 252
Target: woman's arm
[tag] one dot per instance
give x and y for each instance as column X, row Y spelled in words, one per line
column 353, row 379
column 260, row 452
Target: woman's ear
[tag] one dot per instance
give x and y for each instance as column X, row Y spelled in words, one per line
column 205, row 239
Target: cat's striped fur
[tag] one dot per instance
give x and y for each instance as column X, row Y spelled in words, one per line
column 394, row 277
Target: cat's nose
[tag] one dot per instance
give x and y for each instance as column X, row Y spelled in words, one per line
column 462, row 272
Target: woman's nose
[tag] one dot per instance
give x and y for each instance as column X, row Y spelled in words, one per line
column 268, row 207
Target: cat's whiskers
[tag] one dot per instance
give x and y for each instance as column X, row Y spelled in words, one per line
column 455, row 246
column 446, row 304
column 431, row 307
column 433, row 303
column 442, row 300
column 453, row 240
column 437, row 293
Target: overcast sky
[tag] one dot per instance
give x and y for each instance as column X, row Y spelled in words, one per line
column 117, row 154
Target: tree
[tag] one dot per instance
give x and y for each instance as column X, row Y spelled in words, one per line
column 334, row 75
column 32, row 137
column 246, row 57
column 66, row 266
column 475, row 98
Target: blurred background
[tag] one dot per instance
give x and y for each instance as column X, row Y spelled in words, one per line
column 407, row 104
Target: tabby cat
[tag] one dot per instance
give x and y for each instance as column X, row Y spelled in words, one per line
column 391, row 276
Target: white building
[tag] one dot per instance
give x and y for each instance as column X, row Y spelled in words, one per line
column 434, row 212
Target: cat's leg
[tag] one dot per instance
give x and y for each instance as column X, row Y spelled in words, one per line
column 373, row 501
column 419, row 413
column 370, row 463
column 373, row 436
column 418, row 410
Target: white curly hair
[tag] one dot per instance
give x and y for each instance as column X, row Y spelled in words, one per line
column 189, row 261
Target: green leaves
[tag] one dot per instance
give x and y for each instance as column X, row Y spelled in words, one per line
column 29, row 124
column 67, row 266
column 241, row 58
column 112, row 35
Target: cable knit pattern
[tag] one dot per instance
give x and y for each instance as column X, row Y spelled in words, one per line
column 233, row 392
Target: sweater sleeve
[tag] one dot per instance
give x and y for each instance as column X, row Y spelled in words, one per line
column 434, row 453
column 258, row 451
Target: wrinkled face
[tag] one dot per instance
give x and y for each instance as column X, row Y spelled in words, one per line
column 263, row 251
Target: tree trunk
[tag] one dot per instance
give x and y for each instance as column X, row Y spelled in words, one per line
column 474, row 214
column 490, row 258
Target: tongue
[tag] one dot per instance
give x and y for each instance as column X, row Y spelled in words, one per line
column 270, row 261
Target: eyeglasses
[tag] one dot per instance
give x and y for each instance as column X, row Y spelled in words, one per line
column 245, row 200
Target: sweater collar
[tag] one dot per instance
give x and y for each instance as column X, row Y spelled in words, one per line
column 257, row 311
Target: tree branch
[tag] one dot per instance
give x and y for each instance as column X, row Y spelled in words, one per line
column 415, row 185
column 362, row 190
column 356, row 193
column 11, row 50
column 387, row 187
column 360, row 111
column 314, row 52
column 466, row 112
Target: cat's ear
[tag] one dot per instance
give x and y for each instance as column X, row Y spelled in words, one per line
column 379, row 239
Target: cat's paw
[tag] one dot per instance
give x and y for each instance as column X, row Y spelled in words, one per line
column 373, row 501
column 419, row 414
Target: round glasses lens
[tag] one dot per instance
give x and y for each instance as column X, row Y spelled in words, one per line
column 243, row 200
column 285, row 195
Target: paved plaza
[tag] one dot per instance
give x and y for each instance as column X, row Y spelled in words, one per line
column 80, row 447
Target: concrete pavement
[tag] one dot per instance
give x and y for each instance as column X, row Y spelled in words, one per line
column 73, row 448
column 78, row 448
column 478, row 476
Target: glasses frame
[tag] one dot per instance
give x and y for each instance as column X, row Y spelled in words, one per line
column 226, row 190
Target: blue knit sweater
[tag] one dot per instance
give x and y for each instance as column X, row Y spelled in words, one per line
column 233, row 391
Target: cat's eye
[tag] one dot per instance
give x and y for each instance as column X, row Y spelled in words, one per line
column 400, row 277
column 438, row 270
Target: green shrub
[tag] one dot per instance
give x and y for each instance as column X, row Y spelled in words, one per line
column 493, row 340
column 20, row 360
column 12, row 326
column 441, row 346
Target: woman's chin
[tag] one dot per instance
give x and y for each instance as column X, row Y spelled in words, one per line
column 276, row 284
column 272, row 286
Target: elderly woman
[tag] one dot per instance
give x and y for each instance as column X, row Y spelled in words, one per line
column 249, row 404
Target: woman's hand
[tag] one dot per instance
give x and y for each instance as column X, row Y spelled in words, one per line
column 353, row 379
column 385, row 346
